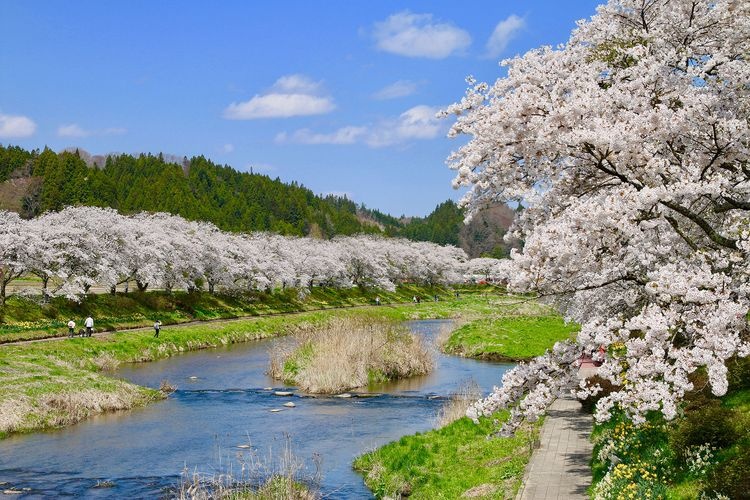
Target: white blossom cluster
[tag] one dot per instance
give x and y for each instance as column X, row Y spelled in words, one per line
column 79, row 247
column 629, row 146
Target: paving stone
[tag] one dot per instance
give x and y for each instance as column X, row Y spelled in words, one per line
column 559, row 468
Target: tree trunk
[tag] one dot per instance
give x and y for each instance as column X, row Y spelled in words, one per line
column 141, row 286
column 211, row 287
column 45, row 291
column 113, row 289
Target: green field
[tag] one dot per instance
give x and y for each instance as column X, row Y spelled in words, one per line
column 509, row 338
column 455, row 460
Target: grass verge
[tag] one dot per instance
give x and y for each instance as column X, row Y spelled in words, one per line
column 454, row 461
column 509, row 338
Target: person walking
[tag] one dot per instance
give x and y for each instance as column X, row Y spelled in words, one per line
column 157, row 328
column 377, row 300
column 89, row 324
column 71, row 328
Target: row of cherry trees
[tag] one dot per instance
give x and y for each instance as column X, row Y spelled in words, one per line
column 77, row 248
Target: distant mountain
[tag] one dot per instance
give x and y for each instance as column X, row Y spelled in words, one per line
column 32, row 182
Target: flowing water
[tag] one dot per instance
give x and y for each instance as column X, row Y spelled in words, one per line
column 221, row 407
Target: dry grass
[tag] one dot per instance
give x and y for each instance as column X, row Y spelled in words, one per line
column 67, row 408
column 106, row 362
column 459, row 402
column 349, row 353
column 167, row 387
column 270, row 477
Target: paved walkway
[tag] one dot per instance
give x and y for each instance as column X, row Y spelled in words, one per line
column 559, row 468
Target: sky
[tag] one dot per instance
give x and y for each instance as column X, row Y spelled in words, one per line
column 339, row 96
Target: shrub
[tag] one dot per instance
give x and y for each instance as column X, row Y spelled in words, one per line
column 710, row 425
column 732, row 477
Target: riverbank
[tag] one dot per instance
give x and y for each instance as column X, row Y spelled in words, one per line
column 455, row 461
column 63, row 381
column 28, row 318
column 459, row 460
column 518, row 330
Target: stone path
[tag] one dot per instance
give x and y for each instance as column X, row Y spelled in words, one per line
column 559, row 468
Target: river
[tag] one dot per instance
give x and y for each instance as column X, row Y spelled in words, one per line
column 221, row 408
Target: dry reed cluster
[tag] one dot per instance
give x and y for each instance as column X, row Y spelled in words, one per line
column 455, row 408
column 348, row 353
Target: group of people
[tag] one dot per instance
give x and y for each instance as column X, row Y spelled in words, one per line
column 88, row 324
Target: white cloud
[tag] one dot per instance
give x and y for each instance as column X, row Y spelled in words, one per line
column 417, row 35
column 291, row 95
column 72, row 130
column 227, row 148
column 503, row 33
column 75, row 130
column 401, row 88
column 417, row 123
column 344, row 135
column 16, row 126
column 296, row 84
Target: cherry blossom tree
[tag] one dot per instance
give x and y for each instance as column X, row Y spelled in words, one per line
column 13, row 244
column 629, row 144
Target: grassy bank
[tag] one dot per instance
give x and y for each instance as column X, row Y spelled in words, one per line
column 459, row 460
column 454, row 461
column 349, row 353
column 29, row 318
column 509, row 338
column 704, row 453
column 60, row 382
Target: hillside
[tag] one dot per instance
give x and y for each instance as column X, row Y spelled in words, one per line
column 32, row 182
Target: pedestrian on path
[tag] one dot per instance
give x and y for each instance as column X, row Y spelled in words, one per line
column 71, row 328
column 157, row 328
column 377, row 300
column 89, row 324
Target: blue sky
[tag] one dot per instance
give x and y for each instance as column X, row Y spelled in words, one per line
column 337, row 95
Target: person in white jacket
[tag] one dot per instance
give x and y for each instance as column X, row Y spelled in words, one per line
column 89, row 324
column 71, row 328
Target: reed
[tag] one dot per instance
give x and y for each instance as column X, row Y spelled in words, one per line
column 350, row 352
column 455, row 408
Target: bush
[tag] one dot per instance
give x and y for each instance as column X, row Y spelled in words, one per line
column 711, row 425
column 739, row 373
column 732, row 477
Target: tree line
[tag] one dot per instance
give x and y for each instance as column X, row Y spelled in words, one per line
column 77, row 248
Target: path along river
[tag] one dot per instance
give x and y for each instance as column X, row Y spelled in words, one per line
column 210, row 420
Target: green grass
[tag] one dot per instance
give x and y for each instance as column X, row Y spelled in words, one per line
column 448, row 462
column 28, row 318
column 509, row 338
